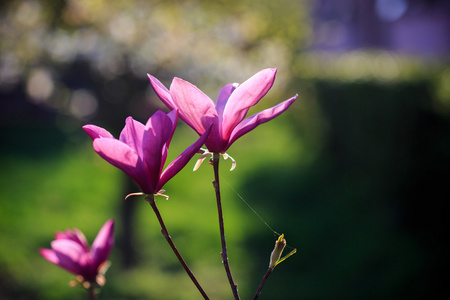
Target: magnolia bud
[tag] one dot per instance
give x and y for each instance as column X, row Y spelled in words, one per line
column 277, row 251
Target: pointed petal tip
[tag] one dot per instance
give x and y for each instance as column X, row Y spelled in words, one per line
column 103, row 243
column 95, row 132
column 151, row 77
column 49, row 255
column 269, row 70
column 44, row 251
column 110, row 222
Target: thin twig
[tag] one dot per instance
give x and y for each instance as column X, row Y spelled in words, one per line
column 263, row 281
column 165, row 233
column 91, row 292
column 224, row 254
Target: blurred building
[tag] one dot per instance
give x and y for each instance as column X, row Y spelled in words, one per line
column 413, row 27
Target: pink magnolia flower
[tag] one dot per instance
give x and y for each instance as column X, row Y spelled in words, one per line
column 227, row 115
column 71, row 251
column 141, row 150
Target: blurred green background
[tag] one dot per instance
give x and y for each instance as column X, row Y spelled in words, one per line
column 355, row 173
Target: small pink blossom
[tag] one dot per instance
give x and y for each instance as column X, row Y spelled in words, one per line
column 228, row 114
column 141, row 150
column 71, row 251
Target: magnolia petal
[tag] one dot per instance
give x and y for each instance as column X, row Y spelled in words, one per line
column 162, row 92
column 222, row 99
column 132, row 135
column 125, row 158
column 215, row 143
column 173, row 116
column 195, row 108
column 158, row 132
column 74, row 235
column 97, row 132
column 49, row 255
column 252, row 122
column 69, row 255
column 244, row 96
column 79, row 237
column 178, row 163
column 103, row 243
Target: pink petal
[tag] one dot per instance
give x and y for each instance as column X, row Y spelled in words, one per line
column 222, row 99
column 68, row 255
column 173, row 116
column 132, row 135
column 159, row 130
column 194, row 107
column 49, row 255
column 162, row 92
column 214, row 142
column 63, row 235
column 125, row 158
column 178, row 163
column 74, row 235
column 245, row 96
column 79, row 237
column 103, row 243
column 252, row 122
column 97, row 132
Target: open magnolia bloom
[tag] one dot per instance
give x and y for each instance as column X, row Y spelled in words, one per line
column 141, row 150
column 71, row 251
column 227, row 116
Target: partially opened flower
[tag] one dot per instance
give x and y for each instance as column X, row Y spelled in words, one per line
column 71, row 251
column 141, row 150
column 228, row 114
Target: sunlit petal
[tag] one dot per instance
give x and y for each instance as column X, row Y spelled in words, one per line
column 252, row 122
column 97, row 132
column 162, row 92
column 132, row 135
column 243, row 97
column 195, row 108
column 159, row 130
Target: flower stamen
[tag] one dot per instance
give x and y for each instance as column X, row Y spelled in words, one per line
column 161, row 193
column 204, row 154
column 233, row 162
column 134, row 194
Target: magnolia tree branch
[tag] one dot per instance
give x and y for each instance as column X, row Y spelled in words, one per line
column 151, row 199
column 91, row 292
column 263, row 281
column 224, row 255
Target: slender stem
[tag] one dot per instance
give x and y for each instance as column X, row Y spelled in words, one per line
column 263, row 281
column 165, row 233
column 91, row 292
column 216, row 157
